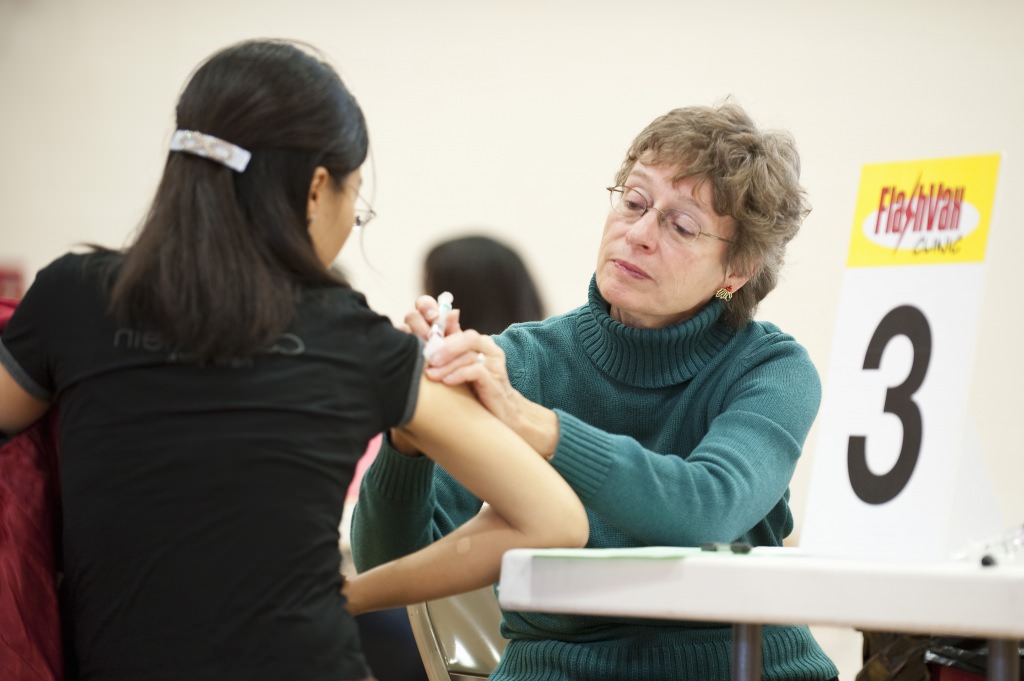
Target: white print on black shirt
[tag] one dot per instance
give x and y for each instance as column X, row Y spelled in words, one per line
column 134, row 339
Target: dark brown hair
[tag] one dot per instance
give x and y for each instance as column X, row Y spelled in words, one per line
column 221, row 256
column 490, row 282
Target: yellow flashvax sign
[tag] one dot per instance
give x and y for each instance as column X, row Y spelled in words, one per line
column 924, row 212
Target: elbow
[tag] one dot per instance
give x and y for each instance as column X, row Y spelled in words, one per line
column 581, row 525
column 573, row 528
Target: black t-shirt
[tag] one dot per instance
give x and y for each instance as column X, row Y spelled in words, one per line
column 201, row 503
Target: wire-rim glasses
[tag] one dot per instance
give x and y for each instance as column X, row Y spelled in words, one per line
column 632, row 205
column 364, row 213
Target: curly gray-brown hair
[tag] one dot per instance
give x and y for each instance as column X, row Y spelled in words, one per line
column 755, row 179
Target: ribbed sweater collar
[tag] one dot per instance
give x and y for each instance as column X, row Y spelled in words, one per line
column 650, row 358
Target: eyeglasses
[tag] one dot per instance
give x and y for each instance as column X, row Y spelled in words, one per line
column 364, row 213
column 632, row 205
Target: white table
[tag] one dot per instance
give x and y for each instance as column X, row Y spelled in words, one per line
column 775, row 586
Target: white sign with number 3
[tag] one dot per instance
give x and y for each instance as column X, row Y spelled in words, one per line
column 893, row 425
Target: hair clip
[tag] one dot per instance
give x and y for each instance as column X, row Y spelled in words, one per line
column 213, row 148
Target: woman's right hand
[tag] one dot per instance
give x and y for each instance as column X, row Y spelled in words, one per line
column 418, row 320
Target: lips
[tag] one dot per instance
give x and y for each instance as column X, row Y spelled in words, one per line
column 630, row 270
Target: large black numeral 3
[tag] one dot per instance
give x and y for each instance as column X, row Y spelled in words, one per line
column 877, row 489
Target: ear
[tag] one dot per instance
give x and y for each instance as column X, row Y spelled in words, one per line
column 734, row 282
column 317, row 186
column 739, row 273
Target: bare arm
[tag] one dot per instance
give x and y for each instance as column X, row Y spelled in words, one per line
column 18, row 409
column 528, row 504
column 468, row 357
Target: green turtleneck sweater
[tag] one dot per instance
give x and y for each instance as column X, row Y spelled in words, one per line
column 670, row 437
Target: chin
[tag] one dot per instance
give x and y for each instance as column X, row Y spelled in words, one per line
column 618, row 298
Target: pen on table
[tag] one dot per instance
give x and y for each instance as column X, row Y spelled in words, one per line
column 444, row 303
column 734, row 547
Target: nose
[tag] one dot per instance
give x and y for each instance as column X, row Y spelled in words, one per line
column 643, row 233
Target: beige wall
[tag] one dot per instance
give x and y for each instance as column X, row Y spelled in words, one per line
column 511, row 116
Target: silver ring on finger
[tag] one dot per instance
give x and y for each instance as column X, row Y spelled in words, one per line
column 481, row 357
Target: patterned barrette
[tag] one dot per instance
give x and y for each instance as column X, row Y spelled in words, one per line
column 213, row 148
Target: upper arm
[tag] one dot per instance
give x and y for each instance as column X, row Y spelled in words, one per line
column 494, row 463
column 450, row 426
column 18, row 409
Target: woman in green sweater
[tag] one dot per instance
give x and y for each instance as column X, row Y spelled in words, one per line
column 675, row 416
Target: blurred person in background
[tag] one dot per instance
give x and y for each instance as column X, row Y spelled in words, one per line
column 489, row 279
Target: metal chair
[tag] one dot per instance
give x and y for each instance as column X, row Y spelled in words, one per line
column 458, row 637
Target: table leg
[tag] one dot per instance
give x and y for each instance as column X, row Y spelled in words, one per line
column 1003, row 660
column 746, row 652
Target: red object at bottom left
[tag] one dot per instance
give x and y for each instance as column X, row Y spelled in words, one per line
column 30, row 627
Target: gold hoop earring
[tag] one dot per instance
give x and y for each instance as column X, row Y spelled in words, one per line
column 724, row 294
